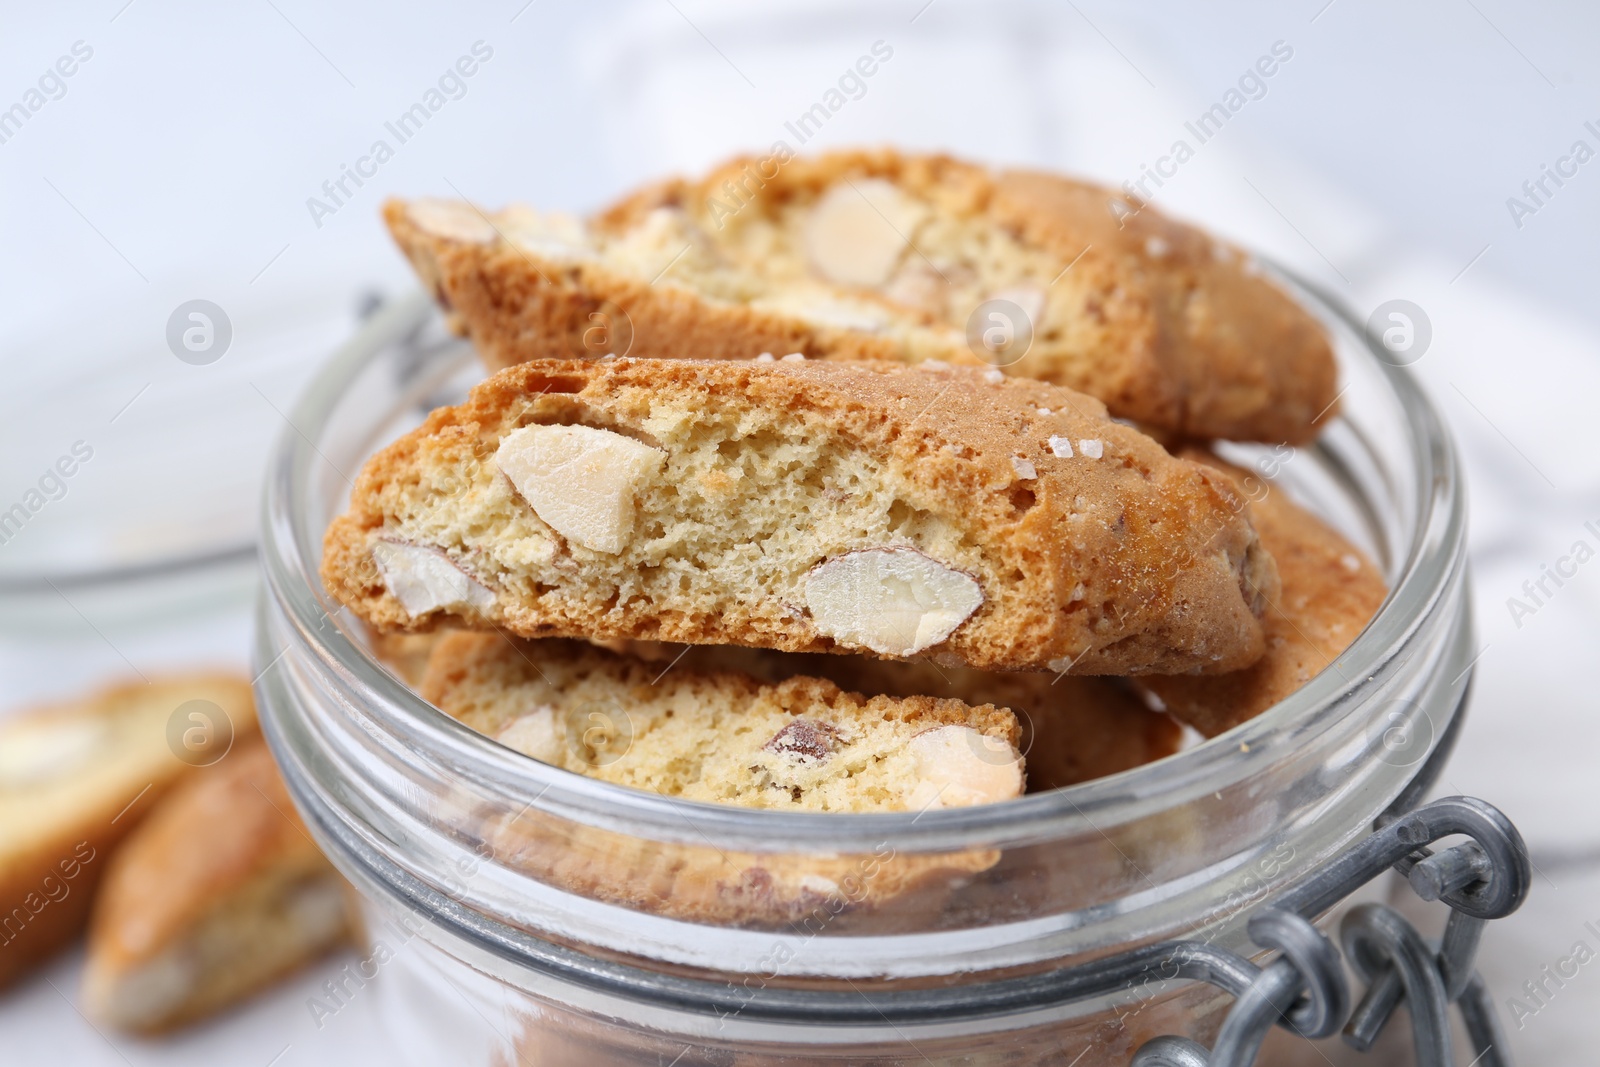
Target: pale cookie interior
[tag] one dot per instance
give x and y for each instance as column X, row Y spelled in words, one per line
column 744, row 515
column 251, row 935
column 37, row 750
column 863, row 254
column 802, row 744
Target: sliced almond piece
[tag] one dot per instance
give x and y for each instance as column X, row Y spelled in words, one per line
column 825, row 308
column 858, row 231
column 581, row 481
column 37, row 749
column 896, row 601
column 956, row 766
column 1030, row 298
column 456, row 220
column 553, row 236
column 534, row 734
column 425, row 579
column 805, row 739
column 917, row 285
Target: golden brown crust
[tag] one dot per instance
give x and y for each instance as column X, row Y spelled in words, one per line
column 1166, row 325
column 1124, row 561
column 1330, row 591
column 226, row 840
column 692, row 881
column 1099, row 727
column 1227, row 354
column 104, row 760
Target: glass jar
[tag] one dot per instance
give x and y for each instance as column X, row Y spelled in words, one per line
column 519, row 913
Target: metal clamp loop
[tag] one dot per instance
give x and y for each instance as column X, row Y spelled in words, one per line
column 1305, row 989
column 1378, row 938
column 1171, row 1052
column 1509, row 873
column 1316, row 961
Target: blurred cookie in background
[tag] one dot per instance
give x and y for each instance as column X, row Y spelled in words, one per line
column 218, row 894
column 77, row 776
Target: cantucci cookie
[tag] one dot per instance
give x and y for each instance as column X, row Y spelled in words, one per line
column 1330, row 591
column 801, row 745
column 217, row 894
column 806, row 506
column 76, row 778
column 878, row 255
column 1074, row 728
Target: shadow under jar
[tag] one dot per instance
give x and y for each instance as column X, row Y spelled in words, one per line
column 522, row 914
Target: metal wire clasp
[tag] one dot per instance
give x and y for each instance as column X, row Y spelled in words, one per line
column 1304, row 988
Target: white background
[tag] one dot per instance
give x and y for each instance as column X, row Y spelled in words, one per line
column 179, row 161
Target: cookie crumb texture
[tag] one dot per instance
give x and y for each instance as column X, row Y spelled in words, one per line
column 802, row 744
column 807, row 506
column 878, row 255
column 1074, row 729
column 707, row 734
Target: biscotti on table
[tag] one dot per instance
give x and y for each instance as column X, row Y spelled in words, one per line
column 806, row 506
column 76, row 777
column 219, row 893
column 878, row 255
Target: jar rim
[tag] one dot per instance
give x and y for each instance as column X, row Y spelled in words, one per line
column 291, row 553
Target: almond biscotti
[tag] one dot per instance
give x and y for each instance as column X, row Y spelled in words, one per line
column 1330, row 591
column 717, row 736
column 219, row 893
column 878, row 255
column 802, row 745
column 1075, row 728
column 76, row 777
column 805, row 506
